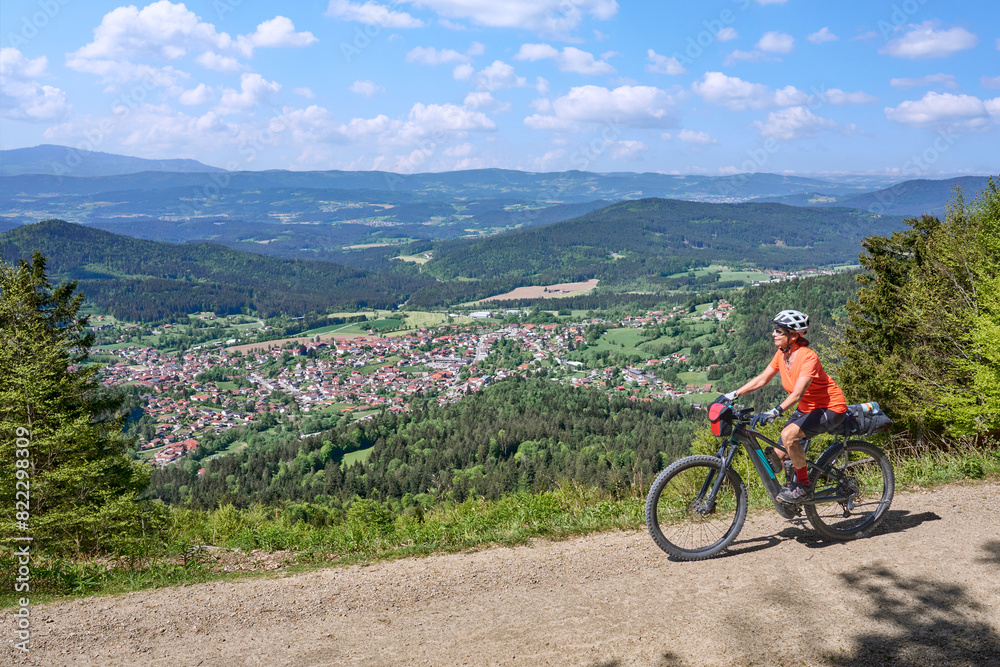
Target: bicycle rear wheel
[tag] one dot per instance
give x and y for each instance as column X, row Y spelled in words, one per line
column 683, row 521
column 868, row 480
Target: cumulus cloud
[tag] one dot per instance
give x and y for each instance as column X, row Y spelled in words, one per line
column 727, row 34
column 793, row 123
column 305, row 92
column 737, row 94
column 254, row 89
column 570, row 59
column 776, row 42
column 945, row 110
column 626, row 149
column 660, row 64
column 556, row 17
column 164, row 31
column 197, row 95
column 839, row 97
column 699, row 138
column 366, row 88
column 628, row 106
column 23, row 98
column 498, row 75
column 484, row 100
column 946, row 80
column 428, row 55
column 927, row 41
column 463, row 72
column 225, row 64
column 371, row 13
column 990, row 82
column 822, row 35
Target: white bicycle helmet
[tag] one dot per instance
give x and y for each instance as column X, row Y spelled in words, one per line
column 792, row 319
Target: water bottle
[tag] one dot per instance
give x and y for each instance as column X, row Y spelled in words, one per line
column 773, row 460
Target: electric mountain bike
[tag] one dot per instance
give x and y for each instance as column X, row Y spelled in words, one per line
column 696, row 506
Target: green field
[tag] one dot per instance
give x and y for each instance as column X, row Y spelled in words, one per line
column 359, row 456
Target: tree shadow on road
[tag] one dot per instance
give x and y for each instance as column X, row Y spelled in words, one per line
column 915, row 621
column 992, row 550
column 668, row 659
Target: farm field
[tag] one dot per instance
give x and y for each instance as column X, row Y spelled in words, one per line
column 546, row 291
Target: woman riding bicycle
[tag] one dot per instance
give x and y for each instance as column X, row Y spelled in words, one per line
column 821, row 404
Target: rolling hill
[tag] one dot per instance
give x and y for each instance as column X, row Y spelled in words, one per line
column 657, row 237
column 136, row 279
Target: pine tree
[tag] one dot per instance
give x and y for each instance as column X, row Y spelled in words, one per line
column 83, row 486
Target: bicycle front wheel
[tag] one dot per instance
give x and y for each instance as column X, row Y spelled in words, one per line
column 866, row 480
column 682, row 517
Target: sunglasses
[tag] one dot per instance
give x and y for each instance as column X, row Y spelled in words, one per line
column 782, row 332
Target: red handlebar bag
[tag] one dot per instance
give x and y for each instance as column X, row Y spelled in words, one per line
column 720, row 416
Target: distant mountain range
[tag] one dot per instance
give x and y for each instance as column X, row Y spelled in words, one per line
column 64, row 160
column 914, row 197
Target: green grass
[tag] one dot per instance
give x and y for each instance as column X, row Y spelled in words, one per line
column 355, row 457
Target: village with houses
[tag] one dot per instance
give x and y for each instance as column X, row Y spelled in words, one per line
column 356, row 376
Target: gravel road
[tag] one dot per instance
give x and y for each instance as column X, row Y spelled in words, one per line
column 925, row 590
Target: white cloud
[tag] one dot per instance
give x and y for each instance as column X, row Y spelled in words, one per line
column 165, row 31
column 947, row 80
column 197, row 95
column 428, row 55
column 945, row 110
column 570, row 59
column 793, row 123
column 727, row 34
column 737, row 94
column 839, row 97
column 484, row 100
column 926, row 41
column 990, row 82
column 274, row 33
column 366, row 88
column 23, row 98
column 305, row 92
column 776, row 42
column 463, row 72
column 556, row 17
column 660, row 64
column 771, row 2
column 225, row 64
column 630, row 106
column 371, row 13
column 254, row 89
column 822, row 35
column 461, row 150
column 498, row 75
column 626, row 149
column 700, row 138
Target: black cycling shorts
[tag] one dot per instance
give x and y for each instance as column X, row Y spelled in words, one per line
column 814, row 422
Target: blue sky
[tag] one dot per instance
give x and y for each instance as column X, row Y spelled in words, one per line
column 784, row 86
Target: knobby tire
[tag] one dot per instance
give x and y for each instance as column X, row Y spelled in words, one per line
column 684, row 526
column 869, row 475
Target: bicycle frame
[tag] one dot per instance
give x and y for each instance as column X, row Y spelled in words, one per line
column 748, row 438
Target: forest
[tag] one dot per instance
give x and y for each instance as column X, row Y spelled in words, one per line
column 518, row 435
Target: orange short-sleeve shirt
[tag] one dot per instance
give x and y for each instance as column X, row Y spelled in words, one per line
column 822, row 392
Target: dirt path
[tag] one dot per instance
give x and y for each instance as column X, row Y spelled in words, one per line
column 924, row 591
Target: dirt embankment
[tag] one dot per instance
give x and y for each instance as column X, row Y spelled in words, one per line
column 925, row 590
